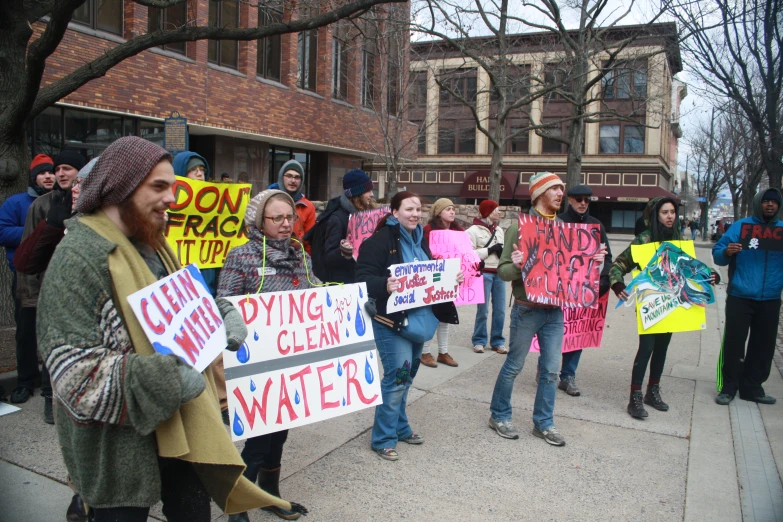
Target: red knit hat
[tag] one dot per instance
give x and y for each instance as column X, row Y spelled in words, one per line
column 487, row 207
column 41, row 163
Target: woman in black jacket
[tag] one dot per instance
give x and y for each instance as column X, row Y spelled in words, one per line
column 399, row 336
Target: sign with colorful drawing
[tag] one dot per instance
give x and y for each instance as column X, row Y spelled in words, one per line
column 361, row 225
column 309, row 356
column 584, row 327
column 453, row 244
column 424, row 283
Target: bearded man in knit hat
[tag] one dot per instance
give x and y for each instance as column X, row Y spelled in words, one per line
column 291, row 180
column 134, row 426
column 529, row 319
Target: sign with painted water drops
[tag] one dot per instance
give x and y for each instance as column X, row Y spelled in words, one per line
column 309, row 356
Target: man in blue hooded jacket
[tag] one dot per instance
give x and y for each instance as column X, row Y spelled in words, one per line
column 753, row 304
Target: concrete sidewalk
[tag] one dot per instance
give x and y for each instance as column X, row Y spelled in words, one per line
column 698, row 461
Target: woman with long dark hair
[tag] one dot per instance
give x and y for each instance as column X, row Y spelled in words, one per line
column 399, row 336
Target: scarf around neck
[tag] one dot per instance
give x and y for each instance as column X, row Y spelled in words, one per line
column 410, row 242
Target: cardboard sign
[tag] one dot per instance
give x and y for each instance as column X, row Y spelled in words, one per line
column 179, row 316
column 206, row 221
column 672, row 290
column 361, row 225
column 424, row 283
column 558, row 261
column 309, row 356
column 453, row 244
column 584, row 327
column 761, row 237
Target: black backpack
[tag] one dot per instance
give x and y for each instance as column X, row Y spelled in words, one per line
column 316, row 236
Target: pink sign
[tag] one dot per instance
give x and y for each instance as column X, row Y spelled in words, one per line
column 361, row 225
column 449, row 244
column 584, row 327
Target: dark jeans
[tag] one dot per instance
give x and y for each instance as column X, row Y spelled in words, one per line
column 263, row 452
column 183, row 495
column 570, row 362
column 27, row 348
column 741, row 371
column 654, row 345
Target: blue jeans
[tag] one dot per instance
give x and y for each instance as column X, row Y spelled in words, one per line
column 400, row 358
column 570, row 362
column 495, row 288
column 525, row 323
column 693, row 234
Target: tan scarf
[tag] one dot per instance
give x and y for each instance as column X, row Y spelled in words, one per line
column 195, row 433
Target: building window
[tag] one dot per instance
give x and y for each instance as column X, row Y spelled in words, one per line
column 551, row 145
column 418, row 96
column 519, row 144
column 624, row 83
column 308, row 55
column 457, row 137
column 421, row 140
column 269, row 48
column 225, row 14
column 369, row 50
column 462, row 82
column 558, row 77
column 168, row 19
column 340, row 61
column 105, row 15
column 631, row 136
column 394, row 77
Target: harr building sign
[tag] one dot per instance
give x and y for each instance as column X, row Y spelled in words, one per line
column 476, row 185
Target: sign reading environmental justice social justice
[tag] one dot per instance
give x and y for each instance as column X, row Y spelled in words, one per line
column 584, row 327
column 424, row 283
column 361, row 225
column 206, row 221
column 180, row 317
column 563, row 271
column 761, row 237
column 309, row 356
column 449, row 244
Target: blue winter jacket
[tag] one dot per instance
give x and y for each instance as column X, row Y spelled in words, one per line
column 13, row 213
column 753, row 274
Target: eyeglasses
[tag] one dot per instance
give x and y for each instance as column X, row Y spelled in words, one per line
column 292, row 177
column 585, row 199
column 277, row 220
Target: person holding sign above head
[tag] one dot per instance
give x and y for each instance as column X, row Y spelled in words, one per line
column 442, row 217
column 578, row 212
column 662, row 225
column 487, row 239
column 272, row 261
column 753, row 302
column 291, row 180
column 399, row 336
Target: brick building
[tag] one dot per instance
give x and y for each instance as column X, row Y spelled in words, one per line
column 250, row 106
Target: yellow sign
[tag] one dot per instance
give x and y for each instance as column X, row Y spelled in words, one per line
column 206, row 221
column 678, row 318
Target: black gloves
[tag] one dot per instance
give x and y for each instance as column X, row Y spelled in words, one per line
column 496, row 249
column 60, row 210
column 603, row 286
column 370, row 307
column 618, row 287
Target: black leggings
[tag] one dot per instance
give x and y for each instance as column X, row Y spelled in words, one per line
column 183, row 495
column 654, row 345
column 263, row 452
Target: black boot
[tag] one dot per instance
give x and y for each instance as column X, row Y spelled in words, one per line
column 269, row 481
column 635, row 406
column 77, row 511
column 48, row 414
column 653, row 398
column 239, row 517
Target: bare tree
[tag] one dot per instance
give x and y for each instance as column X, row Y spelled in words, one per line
column 708, row 179
column 738, row 158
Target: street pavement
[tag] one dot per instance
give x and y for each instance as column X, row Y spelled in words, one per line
column 696, row 462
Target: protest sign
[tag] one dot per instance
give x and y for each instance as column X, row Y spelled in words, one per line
column 584, row 327
column 424, row 283
column 206, row 221
column 302, row 360
column 453, row 244
column 761, row 237
column 558, row 261
column 179, row 316
column 672, row 290
column 361, row 225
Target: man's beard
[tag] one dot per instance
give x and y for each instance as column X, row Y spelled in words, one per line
column 141, row 227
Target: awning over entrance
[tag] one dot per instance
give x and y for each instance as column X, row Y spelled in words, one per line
column 476, row 185
column 620, row 194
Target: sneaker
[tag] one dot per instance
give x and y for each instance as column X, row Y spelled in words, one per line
column 569, row 386
column 239, row 517
column 505, row 429
column 21, row 394
column 551, row 436
column 499, row 349
column 761, row 399
column 428, row 360
column 447, row 359
column 636, row 406
column 414, row 438
column 77, row 510
column 724, row 399
column 653, row 398
column 478, row 348
column 388, row 454
column 48, row 414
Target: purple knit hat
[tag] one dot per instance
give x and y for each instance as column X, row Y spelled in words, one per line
column 119, row 171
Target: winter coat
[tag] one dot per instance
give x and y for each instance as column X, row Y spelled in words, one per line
column 572, row 216
column 13, row 213
column 480, row 235
column 753, row 274
column 28, row 286
column 34, row 253
column 378, row 252
column 325, row 237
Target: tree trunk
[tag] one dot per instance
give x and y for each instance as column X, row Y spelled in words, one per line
column 574, row 162
column 496, row 167
column 775, row 173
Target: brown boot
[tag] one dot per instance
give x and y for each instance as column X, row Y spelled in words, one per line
column 428, row 360
column 447, row 360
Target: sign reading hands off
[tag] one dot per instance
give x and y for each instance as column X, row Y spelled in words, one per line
column 309, row 356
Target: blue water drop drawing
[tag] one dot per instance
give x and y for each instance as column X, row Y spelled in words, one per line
column 328, row 299
column 343, row 401
column 255, row 336
column 297, row 400
column 371, row 355
column 346, row 333
column 252, row 385
column 339, row 369
column 163, row 350
column 361, row 294
column 361, row 325
column 349, row 316
column 369, row 376
column 239, row 426
column 243, row 354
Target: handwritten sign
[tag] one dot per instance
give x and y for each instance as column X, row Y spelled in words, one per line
column 563, row 271
column 361, row 225
column 453, row 244
column 179, row 316
column 424, row 283
column 584, row 327
column 761, row 237
column 206, row 221
column 309, row 356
